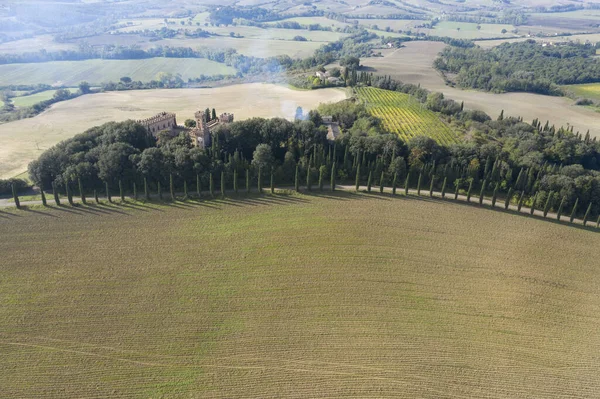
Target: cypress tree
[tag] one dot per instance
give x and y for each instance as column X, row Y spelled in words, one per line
column 171, row 187
column 222, row 184
column 248, row 181
column 121, row 191
column 15, row 196
column 369, row 182
column 272, row 182
column 333, row 177
column 296, row 178
column 69, row 194
column 508, row 198
column 185, row 190
column 108, row 197
column 560, row 208
column 43, row 197
column 321, row 172
column 235, row 181
column 495, row 195
column 357, row 184
column 482, row 192
column 146, row 193
column 135, row 196
column 532, row 210
column 394, row 183
column 574, row 211
column 260, row 180
column 587, row 214
column 212, row 185
column 406, row 183
column 469, row 191
column 55, row 193
column 81, row 193
column 431, row 185
column 198, row 187
column 419, row 184
column 381, row 183
column 308, row 182
column 444, row 187
column 96, row 196
column 598, row 222
column 548, row 204
column 456, row 190
column 160, row 196
column 521, row 198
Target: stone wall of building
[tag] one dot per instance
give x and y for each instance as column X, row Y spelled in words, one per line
column 159, row 122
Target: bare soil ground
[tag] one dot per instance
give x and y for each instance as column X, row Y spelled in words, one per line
column 22, row 141
column 344, row 295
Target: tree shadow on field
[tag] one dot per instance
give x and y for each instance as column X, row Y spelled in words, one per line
column 8, row 215
column 36, row 212
column 133, row 206
column 449, row 200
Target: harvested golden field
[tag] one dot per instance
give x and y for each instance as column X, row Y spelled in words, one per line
column 23, row 141
column 345, row 295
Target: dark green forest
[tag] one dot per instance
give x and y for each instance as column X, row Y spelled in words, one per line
column 525, row 66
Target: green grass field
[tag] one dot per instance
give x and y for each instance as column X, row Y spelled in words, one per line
column 591, row 90
column 465, row 30
column 27, row 101
column 350, row 295
column 404, row 115
column 98, row 71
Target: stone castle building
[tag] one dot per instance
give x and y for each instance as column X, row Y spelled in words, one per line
column 159, row 122
column 201, row 134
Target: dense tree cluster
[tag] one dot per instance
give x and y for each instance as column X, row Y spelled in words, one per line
column 524, row 66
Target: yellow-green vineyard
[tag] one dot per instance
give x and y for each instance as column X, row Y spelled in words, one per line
column 405, row 116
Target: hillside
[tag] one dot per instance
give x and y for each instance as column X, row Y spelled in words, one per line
column 328, row 296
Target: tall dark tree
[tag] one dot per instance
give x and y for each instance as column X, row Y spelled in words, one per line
column 456, row 190
column 185, row 190
column 482, row 192
column 333, row 172
column 222, row 184
column 158, row 189
column 419, row 183
column 211, row 185
column 146, row 193
column 96, row 196
column 469, row 191
column 55, row 193
column 521, row 199
column 235, row 181
column 308, row 182
column 548, row 204
column 560, row 208
column 322, row 170
column 296, row 179
column 214, row 114
column 16, row 196
column 431, row 185
column 508, row 198
column 369, row 182
column 260, row 186
column 135, row 195
column 395, row 183
column 357, row 184
column 108, row 196
column 406, row 184
column 444, row 187
column 272, row 182
column 532, row 210
column 121, row 194
column 495, row 195
column 81, row 193
column 69, row 194
column 171, row 187
column 43, row 197
column 248, row 181
column 587, row 214
column 381, row 183
column 574, row 211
